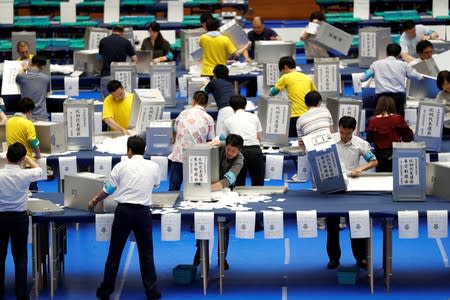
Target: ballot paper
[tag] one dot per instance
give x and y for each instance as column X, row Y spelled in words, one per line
column 68, row 12
column 204, row 225
column 312, row 28
column 245, row 224
column 444, row 157
column 273, row 224
column 175, row 11
column 307, row 223
column 71, row 86
column 103, row 225
column 274, row 167
column 437, row 221
column 408, row 224
column 361, row 9
column 359, row 224
column 42, row 162
column 7, row 9
column 170, row 227
column 67, row 165
column 303, row 169
column 111, row 11
column 10, row 70
column 103, row 165
column 163, row 163
column 440, row 8
column 357, row 84
column 57, row 117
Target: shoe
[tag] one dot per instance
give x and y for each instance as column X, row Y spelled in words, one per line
column 196, row 261
column 333, row 264
column 153, row 294
column 101, row 295
column 362, row 263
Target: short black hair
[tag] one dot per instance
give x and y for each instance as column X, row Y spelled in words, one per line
column 442, row 76
column 286, row 61
column 317, row 15
column 119, row 29
column 16, row 152
column 347, row 122
column 22, row 44
column 205, row 17
column 238, row 102
column 422, row 45
column 25, row 105
column 136, row 144
column 312, row 98
column 201, row 98
column 221, row 71
column 212, row 24
column 409, row 24
column 114, row 85
column 393, row 49
column 235, row 140
column 38, row 60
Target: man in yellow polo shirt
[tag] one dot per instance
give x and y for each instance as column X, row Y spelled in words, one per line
column 23, row 49
column 297, row 85
column 117, row 107
column 19, row 128
column 216, row 48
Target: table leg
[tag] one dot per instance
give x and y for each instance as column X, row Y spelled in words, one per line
column 52, row 257
column 370, row 258
column 37, row 261
column 387, row 247
column 204, row 262
column 221, row 221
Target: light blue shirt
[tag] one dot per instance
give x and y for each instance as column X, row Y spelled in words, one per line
column 390, row 75
column 409, row 44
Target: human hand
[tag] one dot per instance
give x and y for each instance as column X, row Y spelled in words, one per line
column 157, row 60
column 355, row 172
column 92, row 203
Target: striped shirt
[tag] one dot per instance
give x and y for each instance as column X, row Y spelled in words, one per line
column 314, row 119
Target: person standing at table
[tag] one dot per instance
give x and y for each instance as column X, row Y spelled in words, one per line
column 23, row 49
column 248, row 126
column 297, row 86
column 216, row 48
column 384, row 128
column 157, row 43
column 132, row 182
column 14, row 182
column 260, row 33
column 35, row 84
column 113, row 48
column 192, row 126
column 350, row 149
column 390, row 75
column 413, row 34
column 117, row 107
column 312, row 48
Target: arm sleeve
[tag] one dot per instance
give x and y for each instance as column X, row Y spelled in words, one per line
column 33, row 174
column 367, row 154
column 280, row 84
column 370, row 132
column 412, row 73
column 130, row 50
column 107, row 111
column 32, row 138
column 230, row 176
column 230, row 47
column 404, row 43
column 404, row 131
column 209, row 88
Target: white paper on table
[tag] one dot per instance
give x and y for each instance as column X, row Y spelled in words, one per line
column 273, row 225
column 111, row 11
column 98, row 122
column 440, row 8
column 260, row 84
column 359, row 224
column 68, row 12
column 437, row 224
column 357, row 84
column 71, row 85
column 10, row 70
column 361, row 9
column 103, row 226
column 57, row 117
column 7, row 9
column 42, row 162
column 408, row 224
column 307, row 223
column 274, row 166
column 170, row 227
column 204, row 225
column 444, row 157
column 163, row 163
column 103, row 165
column 175, row 11
column 30, row 230
column 245, row 224
column 67, row 165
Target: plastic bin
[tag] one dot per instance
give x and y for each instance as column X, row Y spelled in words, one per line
column 184, row 274
column 347, row 275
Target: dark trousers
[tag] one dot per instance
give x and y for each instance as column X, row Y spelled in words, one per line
column 399, row 99
column 14, row 226
column 293, row 127
column 254, row 163
column 333, row 246
column 384, row 158
column 127, row 218
column 176, row 176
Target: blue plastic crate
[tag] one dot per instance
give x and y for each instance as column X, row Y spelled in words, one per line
column 184, row 274
column 347, row 275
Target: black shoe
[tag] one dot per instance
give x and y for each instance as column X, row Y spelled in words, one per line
column 101, row 295
column 333, row 264
column 362, row 263
column 196, row 258
column 153, row 294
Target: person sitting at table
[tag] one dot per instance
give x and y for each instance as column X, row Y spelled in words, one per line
column 222, row 89
column 117, row 107
column 3, row 117
column 384, row 128
column 14, row 182
column 23, row 49
column 413, row 34
column 350, row 149
column 312, row 48
column 231, row 161
column 297, row 85
column 157, row 43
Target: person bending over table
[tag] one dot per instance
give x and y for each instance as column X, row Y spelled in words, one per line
column 350, row 149
column 117, row 107
column 413, row 34
column 14, row 182
column 132, row 182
